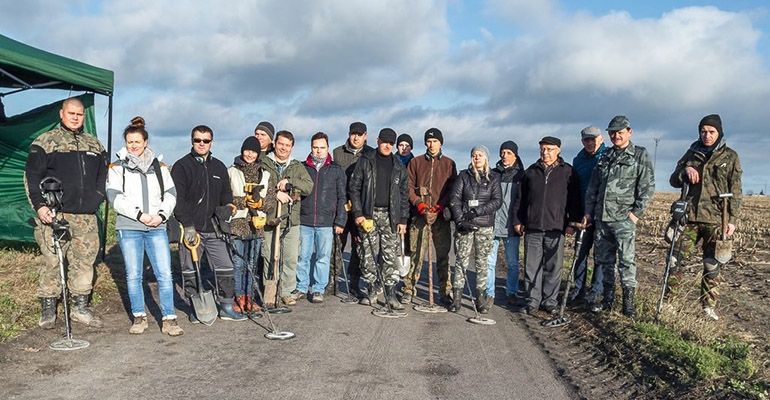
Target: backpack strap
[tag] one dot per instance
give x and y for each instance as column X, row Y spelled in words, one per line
column 159, row 174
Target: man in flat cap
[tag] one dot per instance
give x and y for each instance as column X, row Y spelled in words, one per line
column 618, row 193
column 549, row 198
column 379, row 192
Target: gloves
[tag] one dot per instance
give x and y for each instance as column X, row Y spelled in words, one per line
column 367, row 225
column 190, row 236
column 430, row 217
column 471, row 214
column 465, row 227
column 437, row 209
column 422, row 208
column 251, row 203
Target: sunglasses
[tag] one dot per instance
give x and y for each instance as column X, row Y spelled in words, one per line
column 206, row 141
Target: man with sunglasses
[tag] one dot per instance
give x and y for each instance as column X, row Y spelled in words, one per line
column 202, row 185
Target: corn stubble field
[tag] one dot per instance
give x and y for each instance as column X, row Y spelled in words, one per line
column 603, row 356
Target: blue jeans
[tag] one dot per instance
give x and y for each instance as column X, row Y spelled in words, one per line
column 511, row 245
column 248, row 250
column 321, row 240
column 133, row 245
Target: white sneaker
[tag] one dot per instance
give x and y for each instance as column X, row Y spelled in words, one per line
column 711, row 313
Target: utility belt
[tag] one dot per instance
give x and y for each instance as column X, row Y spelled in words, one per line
column 381, row 209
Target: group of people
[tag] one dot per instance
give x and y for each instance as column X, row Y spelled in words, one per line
column 270, row 217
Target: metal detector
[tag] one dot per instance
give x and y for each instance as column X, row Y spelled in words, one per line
column 273, row 334
column 476, row 319
column 678, row 220
column 387, row 311
column 279, row 308
column 337, row 250
column 51, row 189
column 561, row 320
column 430, row 308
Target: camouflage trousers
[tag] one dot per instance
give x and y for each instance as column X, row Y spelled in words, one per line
column 684, row 248
column 79, row 254
column 614, row 242
column 481, row 242
column 418, row 235
column 380, row 240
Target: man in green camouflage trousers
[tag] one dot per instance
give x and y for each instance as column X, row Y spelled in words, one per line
column 711, row 169
column 618, row 193
column 79, row 162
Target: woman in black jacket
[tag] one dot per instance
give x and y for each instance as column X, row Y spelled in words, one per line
column 475, row 198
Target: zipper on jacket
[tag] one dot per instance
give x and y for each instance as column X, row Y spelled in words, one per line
column 315, row 196
column 82, row 164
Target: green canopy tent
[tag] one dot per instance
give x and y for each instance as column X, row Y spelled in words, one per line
column 22, row 68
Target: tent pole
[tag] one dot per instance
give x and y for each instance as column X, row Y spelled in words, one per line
column 109, row 157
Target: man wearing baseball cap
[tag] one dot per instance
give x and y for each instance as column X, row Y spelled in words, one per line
column 618, row 193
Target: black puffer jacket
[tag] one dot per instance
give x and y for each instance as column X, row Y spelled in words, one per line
column 548, row 199
column 361, row 189
column 325, row 205
column 467, row 191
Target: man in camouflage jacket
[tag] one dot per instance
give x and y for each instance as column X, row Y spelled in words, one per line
column 79, row 161
column 618, row 193
column 710, row 168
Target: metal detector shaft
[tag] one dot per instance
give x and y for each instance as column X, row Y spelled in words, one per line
column 672, row 247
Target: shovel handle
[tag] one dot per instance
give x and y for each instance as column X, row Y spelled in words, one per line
column 193, row 247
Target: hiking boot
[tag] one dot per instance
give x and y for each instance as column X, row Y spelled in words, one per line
column 297, row 295
column 251, row 304
column 711, row 313
column 139, row 326
column 514, row 300
column 80, row 312
column 318, row 298
column 446, row 299
column 227, row 313
column 171, row 328
column 47, row 313
column 390, row 295
column 456, row 304
column 553, row 310
column 407, row 297
column 526, row 310
column 629, row 309
column 288, row 300
column 607, row 301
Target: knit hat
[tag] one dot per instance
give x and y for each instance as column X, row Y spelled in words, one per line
column 590, row 132
column 551, row 140
column 357, row 127
column 387, row 135
column 434, row 133
column 482, row 149
column 251, row 143
column 619, row 123
column 405, row 138
column 267, row 128
column 510, row 145
column 711, row 120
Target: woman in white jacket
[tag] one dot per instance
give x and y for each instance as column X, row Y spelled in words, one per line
column 141, row 191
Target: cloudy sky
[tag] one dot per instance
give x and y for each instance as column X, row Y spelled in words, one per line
column 481, row 71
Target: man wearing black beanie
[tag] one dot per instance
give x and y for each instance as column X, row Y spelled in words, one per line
column 711, row 170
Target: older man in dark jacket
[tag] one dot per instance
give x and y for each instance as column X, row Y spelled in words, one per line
column 549, row 197
column 379, row 192
column 321, row 216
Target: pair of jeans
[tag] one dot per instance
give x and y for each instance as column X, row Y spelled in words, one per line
column 511, row 246
column 320, row 239
column 134, row 244
column 247, row 257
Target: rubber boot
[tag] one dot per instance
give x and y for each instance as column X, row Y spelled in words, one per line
column 607, row 301
column 481, row 301
column 48, row 312
column 80, row 312
column 390, row 292
column 371, row 296
column 456, row 301
column 629, row 309
column 446, row 299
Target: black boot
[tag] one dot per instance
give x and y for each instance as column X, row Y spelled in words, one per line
column 390, row 293
column 456, row 301
column 481, row 301
column 48, row 312
column 446, row 299
column 629, row 309
column 608, row 300
column 81, row 313
column 355, row 288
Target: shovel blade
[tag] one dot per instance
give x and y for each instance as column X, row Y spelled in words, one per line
column 271, row 292
column 205, row 307
column 404, row 264
column 724, row 251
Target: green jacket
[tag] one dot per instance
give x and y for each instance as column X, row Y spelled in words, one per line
column 623, row 182
column 720, row 173
column 297, row 175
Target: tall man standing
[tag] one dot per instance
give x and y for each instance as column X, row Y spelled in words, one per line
column 583, row 164
column 378, row 189
column 618, row 193
column 293, row 182
column 202, row 185
column 431, row 176
column 346, row 156
column 78, row 160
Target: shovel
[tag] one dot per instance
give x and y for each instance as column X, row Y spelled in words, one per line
column 271, row 283
column 724, row 247
column 203, row 302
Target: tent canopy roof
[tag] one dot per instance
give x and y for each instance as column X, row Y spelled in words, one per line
column 25, row 67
